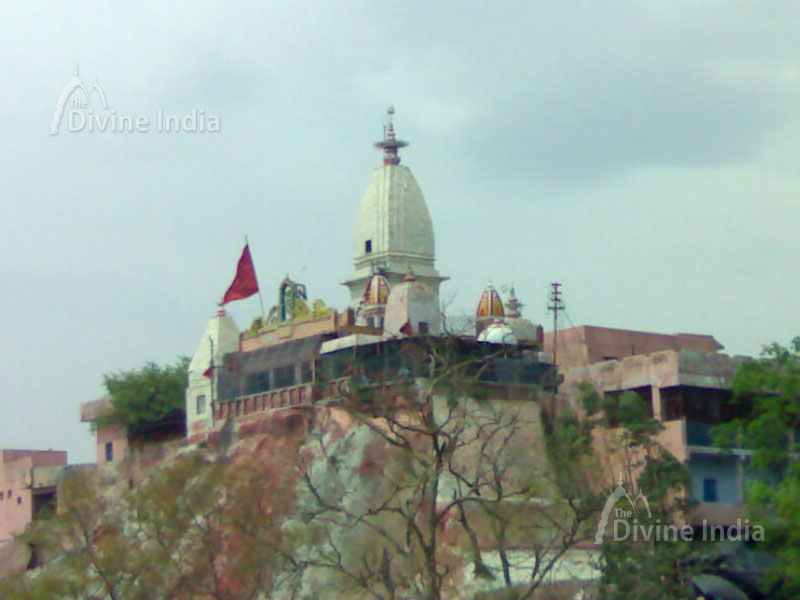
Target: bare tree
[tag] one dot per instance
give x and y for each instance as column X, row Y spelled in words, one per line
column 410, row 488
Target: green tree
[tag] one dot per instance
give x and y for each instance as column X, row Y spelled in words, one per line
column 201, row 527
column 766, row 393
column 147, row 398
column 635, row 569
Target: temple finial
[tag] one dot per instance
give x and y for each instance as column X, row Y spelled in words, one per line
column 514, row 305
column 390, row 143
column 389, row 133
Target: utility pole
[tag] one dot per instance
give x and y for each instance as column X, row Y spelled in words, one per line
column 556, row 306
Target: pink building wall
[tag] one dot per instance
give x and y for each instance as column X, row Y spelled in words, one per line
column 586, row 344
column 16, row 482
column 115, row 436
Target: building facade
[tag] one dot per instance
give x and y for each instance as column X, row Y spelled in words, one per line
column 686, row 382
column 28, row 481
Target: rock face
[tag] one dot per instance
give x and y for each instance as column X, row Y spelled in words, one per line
column 320, row 501
column 14, row 558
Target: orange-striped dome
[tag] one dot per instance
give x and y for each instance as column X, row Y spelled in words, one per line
column 377, row 291
column 490, row 305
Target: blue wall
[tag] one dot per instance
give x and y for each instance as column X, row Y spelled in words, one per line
column 721, row 468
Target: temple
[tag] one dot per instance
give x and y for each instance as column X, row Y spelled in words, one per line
column 301, row 354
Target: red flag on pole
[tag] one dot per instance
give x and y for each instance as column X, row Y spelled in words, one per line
column 245, row 283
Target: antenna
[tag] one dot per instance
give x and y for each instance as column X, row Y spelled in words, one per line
column 556, row 306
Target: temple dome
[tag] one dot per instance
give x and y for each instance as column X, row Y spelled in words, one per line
column 393, row 232
column 393, row 224
column 490, row 305
column 524, row 330
column 498, row 333
column 222, row 336
column 377, row 291
column 513, row 304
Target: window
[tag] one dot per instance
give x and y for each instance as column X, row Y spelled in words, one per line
column 370, row 322
column 284, row 376
column 709, row 490
column 256, row 382
column 19, row 499
column 201, row 404
column 423, row 327
column 1, row 495
column 367, row 246
column 109, row 452
column 305, row 372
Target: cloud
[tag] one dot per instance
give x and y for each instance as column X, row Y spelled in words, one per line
column 584, row 92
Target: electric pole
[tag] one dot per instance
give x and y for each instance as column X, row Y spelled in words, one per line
column 556, row 306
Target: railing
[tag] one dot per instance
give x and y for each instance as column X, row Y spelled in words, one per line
column 243, row 405
column 295, row 395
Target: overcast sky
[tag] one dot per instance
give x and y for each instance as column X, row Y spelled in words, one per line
column 644, row 154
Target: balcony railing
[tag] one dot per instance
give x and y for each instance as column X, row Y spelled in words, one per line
column 244, row 405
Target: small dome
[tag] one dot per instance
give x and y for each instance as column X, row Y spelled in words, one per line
column 524, row 330
column 490, row 304
column 377, row 290
column 498, row 333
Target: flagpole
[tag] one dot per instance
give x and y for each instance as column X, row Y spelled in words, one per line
column 260, row 297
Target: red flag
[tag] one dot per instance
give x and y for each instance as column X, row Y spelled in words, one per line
column 245, row 283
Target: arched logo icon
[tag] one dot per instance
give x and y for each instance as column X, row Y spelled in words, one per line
column 72, row 86
column 612, row 500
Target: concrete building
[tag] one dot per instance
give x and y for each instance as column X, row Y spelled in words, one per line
column 686, row 383
column 586, row 345
column 111, row 441
column 28, row 480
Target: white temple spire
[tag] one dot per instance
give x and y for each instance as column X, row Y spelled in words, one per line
column 394, row 230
